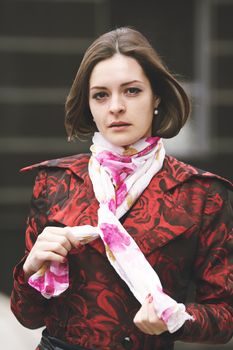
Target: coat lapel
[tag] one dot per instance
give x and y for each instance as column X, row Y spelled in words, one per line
column 153, row 221
column 163, row 220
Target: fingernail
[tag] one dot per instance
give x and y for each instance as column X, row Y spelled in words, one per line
column 150, row 299
column 148, row 296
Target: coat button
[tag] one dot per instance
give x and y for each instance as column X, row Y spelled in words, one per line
column 127, row 343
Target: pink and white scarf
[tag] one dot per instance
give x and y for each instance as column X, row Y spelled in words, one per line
column 119, row 175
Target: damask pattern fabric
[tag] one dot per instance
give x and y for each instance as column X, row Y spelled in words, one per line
column 185, row 232
column 119, row 176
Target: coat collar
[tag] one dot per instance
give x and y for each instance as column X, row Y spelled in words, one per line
column 170, row 176
column 173, row 173
column 77, row 164
column 176, row 172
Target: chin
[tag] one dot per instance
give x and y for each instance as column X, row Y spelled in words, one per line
column 122, row 140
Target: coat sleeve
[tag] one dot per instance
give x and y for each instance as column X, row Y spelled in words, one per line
column 27, row 304
column 213, row 273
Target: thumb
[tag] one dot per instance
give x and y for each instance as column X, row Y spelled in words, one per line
column 81, row 234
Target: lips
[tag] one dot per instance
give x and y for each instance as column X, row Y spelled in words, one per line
column 118, row 124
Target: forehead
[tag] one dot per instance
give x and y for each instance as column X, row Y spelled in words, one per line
column 118, row 68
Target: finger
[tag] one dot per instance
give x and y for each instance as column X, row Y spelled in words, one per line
column 73, row 239
column 146, row 319
column 82, row 234
column 141, row 318
column 54, row 238
column 53, row 242
column 35, row 261
column 155, row 325
column 50, row 256
column 151, row 314
column 54, row 247
column 141, row 315
column 54, row 229
column 146, row 327
column 56, row 234
column 141, row 325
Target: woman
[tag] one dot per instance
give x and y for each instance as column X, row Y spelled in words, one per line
column 97, row 220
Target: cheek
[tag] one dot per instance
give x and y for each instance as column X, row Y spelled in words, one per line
column 145, row 104
column 96, row 109
column 145, row 112
column 98, row 120
column 91, row 107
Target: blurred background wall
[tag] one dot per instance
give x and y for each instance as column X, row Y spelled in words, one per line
column 41, row 46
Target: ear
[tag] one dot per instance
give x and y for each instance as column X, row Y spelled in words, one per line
column 157, row 100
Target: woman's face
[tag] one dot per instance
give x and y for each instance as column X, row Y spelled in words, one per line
column 121, row 100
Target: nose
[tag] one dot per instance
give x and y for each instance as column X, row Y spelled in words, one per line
column 116, row 105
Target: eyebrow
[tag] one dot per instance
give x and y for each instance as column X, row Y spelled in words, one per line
column 124, row 84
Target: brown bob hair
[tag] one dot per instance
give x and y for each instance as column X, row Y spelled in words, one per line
column 174, row 107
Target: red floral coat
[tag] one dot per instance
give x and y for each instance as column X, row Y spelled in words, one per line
column 182, row 223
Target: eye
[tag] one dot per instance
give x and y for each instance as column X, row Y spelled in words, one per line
column 99, row 95
column 133, row 91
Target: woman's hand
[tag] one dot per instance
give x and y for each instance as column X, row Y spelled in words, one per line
column 147, row 320
column 53, row 244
